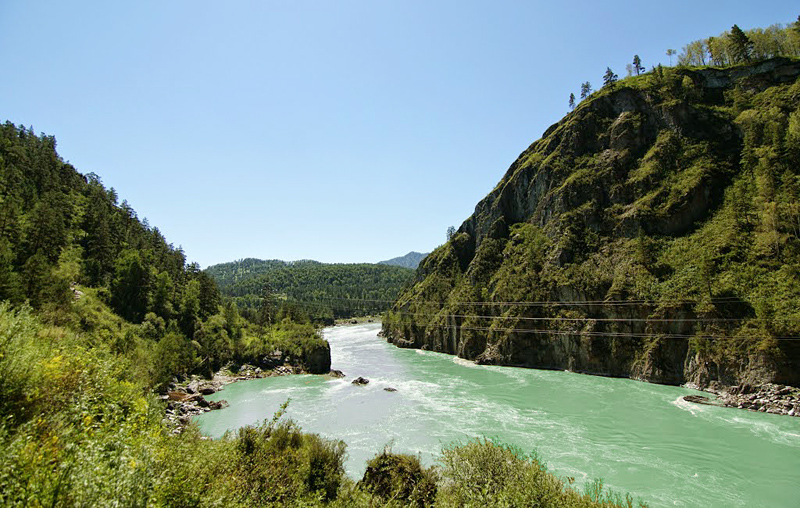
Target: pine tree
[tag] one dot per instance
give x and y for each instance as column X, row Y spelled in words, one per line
column 586, row 89
column 572, row 101
column 267, row 309
column 637, row 65
column 609, row 78
column 741, row 45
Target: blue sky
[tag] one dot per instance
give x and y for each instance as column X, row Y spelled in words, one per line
column 342, row 131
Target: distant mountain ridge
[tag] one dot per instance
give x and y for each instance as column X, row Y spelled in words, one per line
column 324, row 291
column 410, row 260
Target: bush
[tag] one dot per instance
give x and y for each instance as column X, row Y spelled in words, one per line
column 482, row 473
column 400, row 477
column 276, row 463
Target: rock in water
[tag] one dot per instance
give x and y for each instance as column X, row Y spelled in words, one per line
column 360, row 381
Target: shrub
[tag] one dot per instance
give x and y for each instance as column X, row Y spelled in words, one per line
column 482, row 473
column 393, row 476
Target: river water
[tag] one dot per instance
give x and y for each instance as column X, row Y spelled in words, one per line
column 637, row 437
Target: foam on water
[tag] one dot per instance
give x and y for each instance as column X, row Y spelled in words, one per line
column 638, row 437
column 465, row 363
column 691, row 407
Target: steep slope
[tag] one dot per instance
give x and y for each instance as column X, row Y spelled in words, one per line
column 410, row 260
column 654, row 233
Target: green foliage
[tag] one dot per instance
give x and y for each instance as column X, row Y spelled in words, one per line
column 400, row 477
column 609, row 78
column 276, row 463
column 129, row 286
column 689, row 202
column 59, row 228
column 738, row 46
column 637, row 65
column 78, row 430
column 482, row 473
column 586, row 89
column 322, row 290
column 741, row 45
column 85, row 262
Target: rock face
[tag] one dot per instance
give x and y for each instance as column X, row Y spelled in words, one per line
column 185, row 400
column 318, row 360
column 622, row 226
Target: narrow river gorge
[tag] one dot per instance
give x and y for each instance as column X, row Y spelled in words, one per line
column 638, row 437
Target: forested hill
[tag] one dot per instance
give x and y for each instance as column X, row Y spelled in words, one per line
column 323, row 291
column 83, row 260
column 58, row 228
column 410, row 260
column 654, row 232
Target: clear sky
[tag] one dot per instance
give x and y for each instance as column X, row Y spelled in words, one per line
column 341, row 131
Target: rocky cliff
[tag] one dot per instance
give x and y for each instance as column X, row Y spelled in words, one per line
column 653, row 233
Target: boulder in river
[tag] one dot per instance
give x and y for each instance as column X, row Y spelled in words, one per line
column 699, row 399
column 360, row 381
column 336, row 373
column 390, row 389
column 218, row 404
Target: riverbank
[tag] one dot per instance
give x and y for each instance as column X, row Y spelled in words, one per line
column 185, row 400
column 767, row 398
column 362, row 320
column 638, row 437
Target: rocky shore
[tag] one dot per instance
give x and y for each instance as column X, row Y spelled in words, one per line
column 186, row 399
column 767, row 398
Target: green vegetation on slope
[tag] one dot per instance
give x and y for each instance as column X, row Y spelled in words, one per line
column 667, row 204
column 743, row 46
column 323, row 291
column 96, row 312
column 74, row 254
column 79, row 429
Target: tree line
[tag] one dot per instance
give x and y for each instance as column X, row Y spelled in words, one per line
column 732, row 47
column 738, row 46
column 79, row 257
column 320, row 291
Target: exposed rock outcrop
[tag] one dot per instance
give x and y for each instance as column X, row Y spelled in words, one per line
column 620, row 226
column 185, row 400
column 769, row 398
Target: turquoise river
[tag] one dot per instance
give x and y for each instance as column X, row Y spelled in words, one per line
column 637, row 437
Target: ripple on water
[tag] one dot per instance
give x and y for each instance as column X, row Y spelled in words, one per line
column 637, row 437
